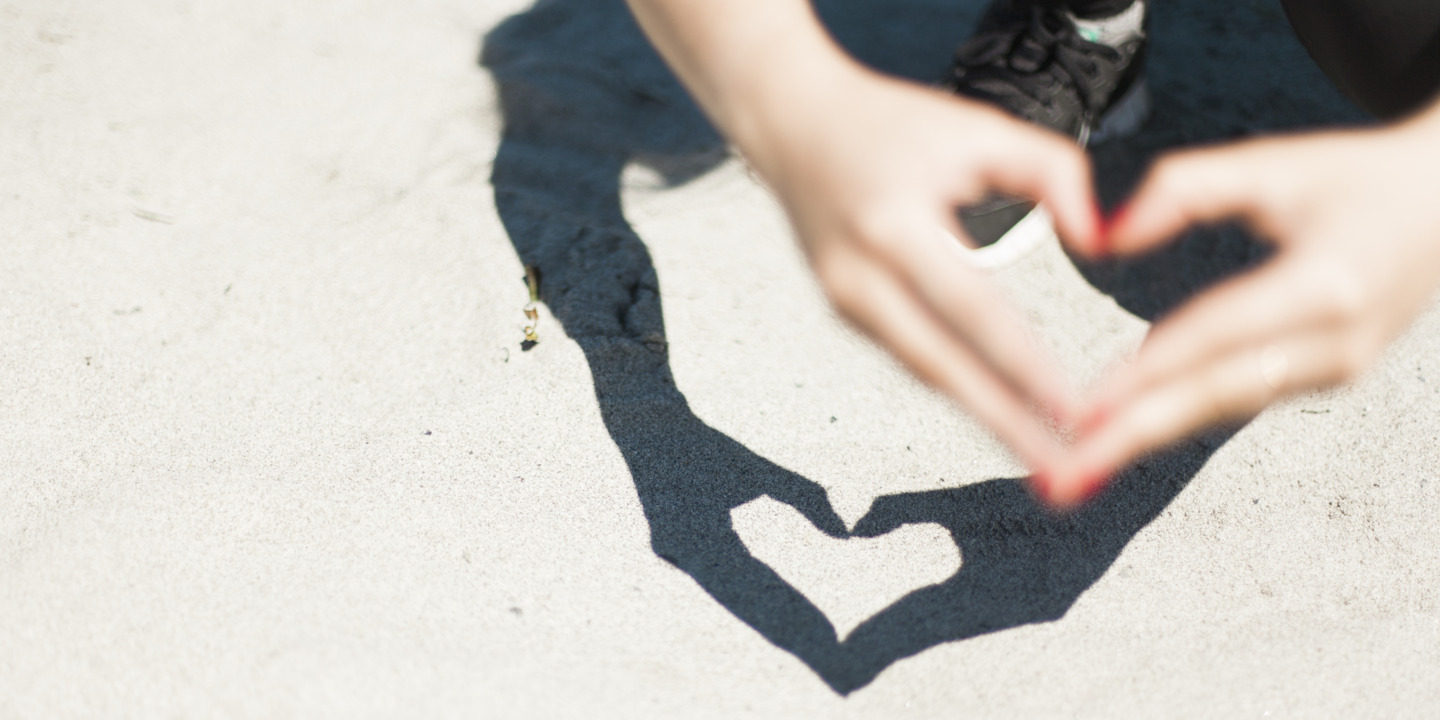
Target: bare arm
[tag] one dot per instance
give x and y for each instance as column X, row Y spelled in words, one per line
column 1357, row 238
column 725, row 52
column 870, row 170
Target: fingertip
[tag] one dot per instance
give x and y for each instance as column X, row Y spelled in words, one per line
column 1088, row 238
column 1120, row 230
column 1083, row 226
column 1100, row 246
column 1040, row 486
column 1116, row 222
column 1058, row 175
column 1091, row 486
column 1068, row 491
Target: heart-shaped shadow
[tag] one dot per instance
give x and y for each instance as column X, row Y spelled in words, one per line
column 849, row 579
column 583, row 95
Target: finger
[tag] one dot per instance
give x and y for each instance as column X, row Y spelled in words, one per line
column 882, row 306
column 809, row 498
column 975, row 314
column 1052, row 170
column 1285, row 297
column 892, row 511
column 1188, row 188
column 1236, row 386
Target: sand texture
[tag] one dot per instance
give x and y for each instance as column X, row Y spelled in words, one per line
column 271, row 447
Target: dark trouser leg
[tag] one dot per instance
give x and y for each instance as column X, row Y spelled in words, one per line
column 1383, row 54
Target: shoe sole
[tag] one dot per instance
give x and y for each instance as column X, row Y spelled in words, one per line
column 1031, row 231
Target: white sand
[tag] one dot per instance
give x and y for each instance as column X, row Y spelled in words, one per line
column 269, row 446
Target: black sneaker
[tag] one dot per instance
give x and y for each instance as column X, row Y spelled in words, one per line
column 1033, row 62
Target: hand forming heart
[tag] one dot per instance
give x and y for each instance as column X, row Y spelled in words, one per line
column 869, row 184
column 868, row 166
column 1352, row 215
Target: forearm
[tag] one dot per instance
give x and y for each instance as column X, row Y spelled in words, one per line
column 742, row 58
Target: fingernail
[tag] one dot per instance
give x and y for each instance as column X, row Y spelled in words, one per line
column 1085, row 486
column 1091, row 486
column 1042, row 485
column 1117, row 216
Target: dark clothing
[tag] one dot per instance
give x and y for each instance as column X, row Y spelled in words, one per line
column 1383, row 54
column 1091, row 9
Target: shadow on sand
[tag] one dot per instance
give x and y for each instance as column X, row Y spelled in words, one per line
column 583, row 95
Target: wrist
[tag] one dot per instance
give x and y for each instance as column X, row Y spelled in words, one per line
column 786, row 95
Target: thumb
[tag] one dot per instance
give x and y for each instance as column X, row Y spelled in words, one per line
column 1185, row 189
column 811, row 500
column 1055, row 172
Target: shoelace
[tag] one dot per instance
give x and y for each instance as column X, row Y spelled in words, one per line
column 1031, row 54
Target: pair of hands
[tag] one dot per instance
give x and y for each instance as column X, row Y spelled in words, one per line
column 871, row 170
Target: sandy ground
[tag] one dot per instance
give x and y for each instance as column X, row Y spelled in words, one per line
column 270, row 446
